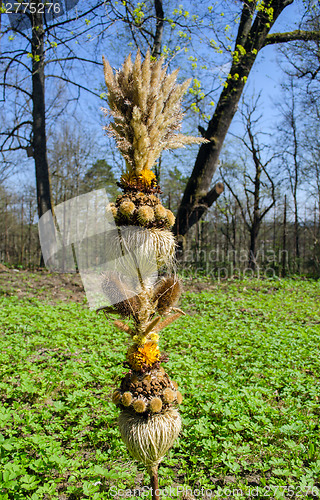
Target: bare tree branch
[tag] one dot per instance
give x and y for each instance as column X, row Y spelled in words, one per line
column 291, row 36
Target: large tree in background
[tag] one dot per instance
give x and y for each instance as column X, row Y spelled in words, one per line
column 256, row 21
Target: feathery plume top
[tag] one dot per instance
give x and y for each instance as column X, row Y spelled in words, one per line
column 145, row 103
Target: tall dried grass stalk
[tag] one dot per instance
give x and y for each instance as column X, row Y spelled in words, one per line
column 145, row 104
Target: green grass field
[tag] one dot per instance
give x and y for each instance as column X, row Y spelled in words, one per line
column 246, row 358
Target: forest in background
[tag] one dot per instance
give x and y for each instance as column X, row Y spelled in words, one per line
column 267, row 218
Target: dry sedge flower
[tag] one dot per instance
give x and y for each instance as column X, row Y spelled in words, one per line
column 166, row 294
column 155, row 405
column 179, row 398
column 145, row 215
column 127, row 208
column 168, row 395
column 126, row 399
column 148, row 354
column 139, row 406
column 116, row 291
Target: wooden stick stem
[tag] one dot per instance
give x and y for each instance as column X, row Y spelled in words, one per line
column 153, row 471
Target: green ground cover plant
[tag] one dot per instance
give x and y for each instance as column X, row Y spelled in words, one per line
column 246, row 355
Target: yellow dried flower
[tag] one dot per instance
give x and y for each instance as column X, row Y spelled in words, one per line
column 148, row 354
column 147, row 176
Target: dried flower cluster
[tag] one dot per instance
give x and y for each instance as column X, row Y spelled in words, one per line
column 141, row 209
column 145, row 104
column 147, row 393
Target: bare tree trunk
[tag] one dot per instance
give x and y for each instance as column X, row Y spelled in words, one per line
column 296, row 235
column 256, row 220
column 29, row 232
column 197, row 198
column 39, row 120
column 156, row 49
column 284, row 237
column 6, row 243
column 21, row 232
column 274, row 230
column 252, row 249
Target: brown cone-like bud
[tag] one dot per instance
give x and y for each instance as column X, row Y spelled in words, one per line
column 168, row 395
column 179, row 398
column 116, row 396
column 170, row 218
column 139, row 406
column 155, row 405
column 126, row 399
